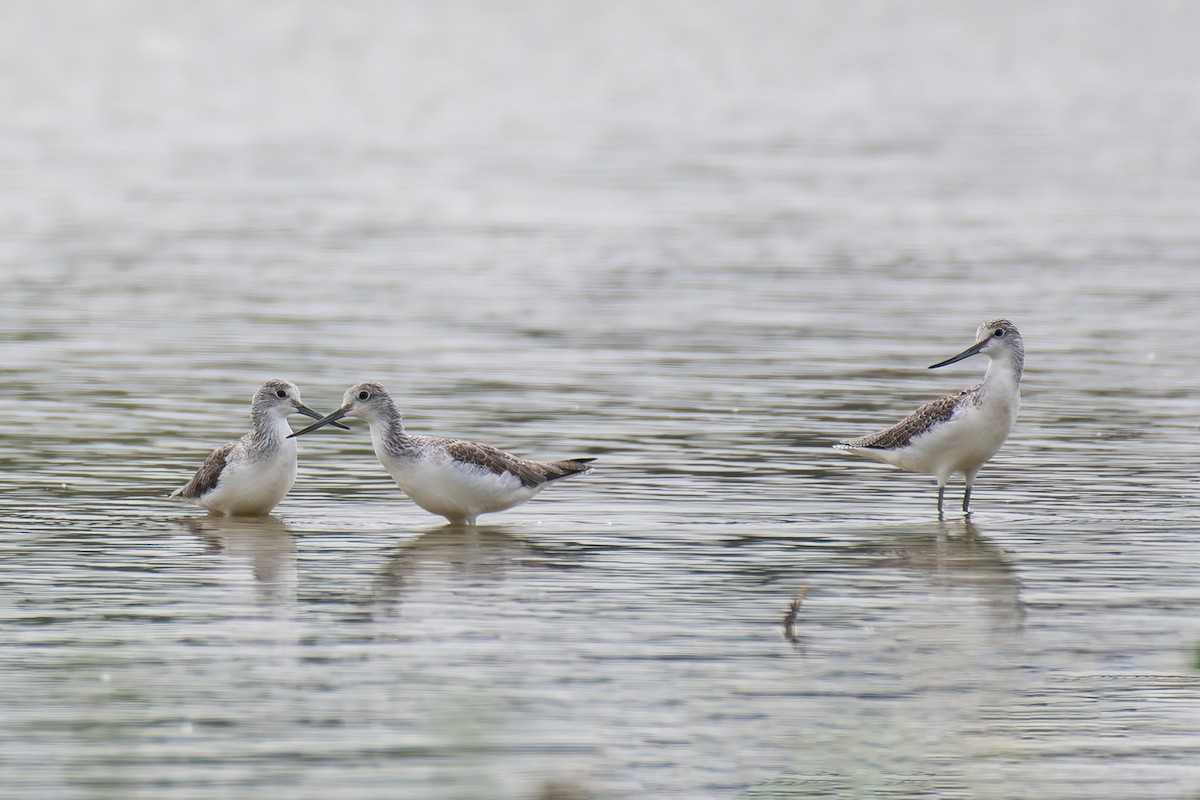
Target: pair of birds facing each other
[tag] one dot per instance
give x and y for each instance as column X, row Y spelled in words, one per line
column 460, row 480
column 454, row 478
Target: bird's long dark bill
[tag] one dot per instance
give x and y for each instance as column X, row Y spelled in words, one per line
column 330, row 419
column 316, row 415
column 970, row 351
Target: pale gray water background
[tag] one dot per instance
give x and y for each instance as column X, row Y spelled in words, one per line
column 699, row 241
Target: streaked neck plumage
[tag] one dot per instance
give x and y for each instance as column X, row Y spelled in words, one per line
column 387, row 431
column 270, row 431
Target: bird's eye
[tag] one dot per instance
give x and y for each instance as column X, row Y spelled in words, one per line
column 1000, row 334
column 364, row 394
column 280, row 393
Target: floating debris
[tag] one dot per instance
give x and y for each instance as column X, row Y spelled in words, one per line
column 789, row 619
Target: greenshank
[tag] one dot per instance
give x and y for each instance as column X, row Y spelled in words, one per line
column 249, row 477
column 959, row 432
column 456, row 479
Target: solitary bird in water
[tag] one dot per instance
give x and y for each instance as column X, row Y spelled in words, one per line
column 458, row 480
column 959, row 432
column 250, row 476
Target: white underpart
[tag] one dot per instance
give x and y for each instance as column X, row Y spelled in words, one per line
column 253, row 486
column 441, row 485
column 966, row 441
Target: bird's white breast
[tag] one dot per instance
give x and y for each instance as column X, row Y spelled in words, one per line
column 438, row 483
column 966, row 441
column 253, row 485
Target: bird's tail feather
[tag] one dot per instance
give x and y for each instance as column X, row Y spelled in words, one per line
column 570, row 466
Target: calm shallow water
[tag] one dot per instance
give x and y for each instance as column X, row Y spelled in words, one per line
column 700, row 244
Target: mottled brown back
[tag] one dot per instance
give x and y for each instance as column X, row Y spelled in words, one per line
column 914, row 425
column 205, row 479
column 531, row 473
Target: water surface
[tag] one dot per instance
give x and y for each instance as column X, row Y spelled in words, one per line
column 698, row 243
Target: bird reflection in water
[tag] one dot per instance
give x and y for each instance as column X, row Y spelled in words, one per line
column 920, row 635
column 950, row 554
column 958, row 555
column 264, row 542
column 461, row 558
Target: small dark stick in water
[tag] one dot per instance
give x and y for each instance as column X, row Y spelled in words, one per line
column 789, row 619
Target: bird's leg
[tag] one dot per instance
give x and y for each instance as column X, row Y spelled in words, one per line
column 941, row 493
column 970, row 476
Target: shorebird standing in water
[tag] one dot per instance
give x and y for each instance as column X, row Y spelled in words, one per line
column 458, row 480
column 959, row 432
column 250, row 476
